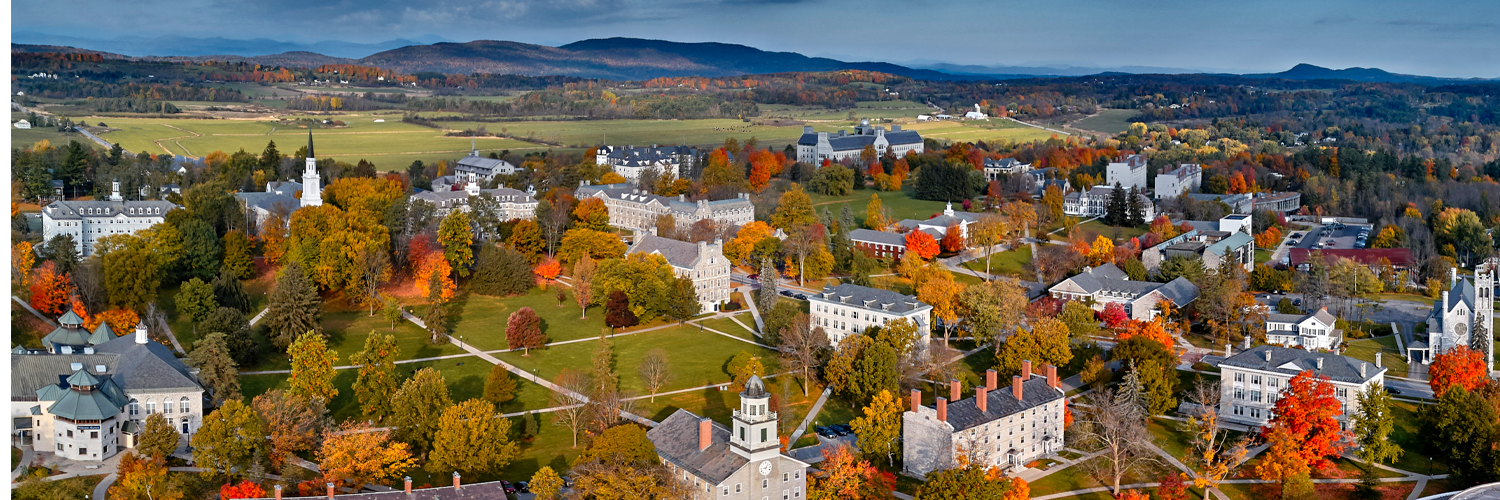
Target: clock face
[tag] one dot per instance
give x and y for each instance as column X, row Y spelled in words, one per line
column 765, row 468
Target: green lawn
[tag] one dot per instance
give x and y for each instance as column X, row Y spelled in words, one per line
column 1391, row 357
column 347, row 331
column 988, row 131
column 728, row 326
column 25, row 138
column 1168, row 434
column 696, row 358
column 1262, row 256
column 1413, row 441
column 1069, row 479
column 702, row 133
column 900, row 204
column 481, row 319
column 465, row 377
column 1011, row 263
column 1109, row 121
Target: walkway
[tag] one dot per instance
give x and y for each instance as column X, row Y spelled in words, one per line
column 34, row 312
column 754, row 310
column 27, row 455
column 166, row 329
column 259, row 315
column 812, row 414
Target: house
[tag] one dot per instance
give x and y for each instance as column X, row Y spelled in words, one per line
column 993, row 168
column 1238, row 247
column 743, row 462
column 1153, row 257
column 849, row 309
column 879, row 244
column 1003, row 428
column 1462, row 316
column 1128, row 172
column 814, row 147
column 1186, row 178
column 1107, row 284
column 508, row 203
column 86, row 404
column 1316, row 331
column 1252, row 381
column 703, row 263
column 1399, row 258
column 485, row 168
column 1095, row 202
column 630, row 161
column 88, row 221
column 1238, row 203
column 632, row 208
column 976, row 114
column 1279, row 202
column 23, row 124
column 938, row 226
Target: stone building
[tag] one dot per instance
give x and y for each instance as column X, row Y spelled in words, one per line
column 849, row 309
column 1186, row 178
column 702, row 262
column 1004, row 428
column 1463, row 315
column 88, row 221
column 743, row 462
column 1129, row 172
column 632, row 208
column 1252, row 381
column 630, row 161
column 508, row 203
column 814, row 147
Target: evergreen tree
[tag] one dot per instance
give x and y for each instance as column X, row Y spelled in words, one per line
column 1136, row 214
column 501, row 270
column 229, row 292
column 1115, row 213
column 216, row 368
column 437, row 311
column 295, row 307
column 768, row 291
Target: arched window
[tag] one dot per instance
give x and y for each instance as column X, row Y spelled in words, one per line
column 135, row 407
column 150, row 407
column 185, row 405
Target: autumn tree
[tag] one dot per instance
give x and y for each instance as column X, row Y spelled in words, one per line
column 227, row 439
column 237, row 254
column 879, row 428
column 527, row 238
column 415, row 407
column 1214, row 455
column 921, row 245
column 1155, row 366
column 1308, row 409
column 293, row 423
column 843, row 476
column 312, row 367
column 1046, row 342
column 583, row 286
column 875, row 214
column 50, row 289
column 245, row 489
column 972, row 479
column 545, row 484
column 801, row 349
column 943, row 295
column 216, row 367
column 953, row 239
column 458, row 241
column 739, row 248
column 1459, row 367
column 436, row 316
column 523, row 330
column 359, row 455
column 158, row 439
column 794, row 210
column 500, row 386
column 376, row 380
column 1114, row 423
column 655, row 371
column 591, row 214
column 571, row 401
column 469, row 438
column 293, row 307
column 21, row 261
column 860, row 367
column 617, row 313
column 143, row 478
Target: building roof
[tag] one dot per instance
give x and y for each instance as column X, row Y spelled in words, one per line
column 676, row 440
column 880, row 237
column 1224, row 246
column 269, row 201
column 1322, row 315
column 1183, row 171
column 63, row 335
column 482, row 165
column 1133, row 161
column 1108, row 278
column 642, row 156
column 628, row 192
column 1399, row 257
column 507, row 195
column 477, row 491
column 678, row 253
column 862, row 136
column 1180, row 291
column 1233, row 200
column 102, row 334
column 77, row 209
column 1002, row 163
column 874, row 299
column 289, row 188
column 148, row 366
column 30, row 373
column 1000, row 403
column 1290, row 362
column 84, row 405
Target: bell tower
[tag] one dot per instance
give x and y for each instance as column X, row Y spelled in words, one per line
column 1482, row 337
column 754, row 434
column 312, row 193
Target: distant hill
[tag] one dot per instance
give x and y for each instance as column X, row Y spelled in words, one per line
column 1306, row 71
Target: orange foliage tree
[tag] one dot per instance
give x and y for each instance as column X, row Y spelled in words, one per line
column 1155, row 330
column 844, row 476
column 21, row 260
column 953, row 240
column 548, row 269
column 763, row 165
column 245, row 489
column 50, row 289
column 1309, row 411
column 921, row 245
column 122, row 321
column 1268, row 238
column 431, row 263
column 1459, row 367
column 590, row 213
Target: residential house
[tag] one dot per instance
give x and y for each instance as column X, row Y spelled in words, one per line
column 1315, row 331
column 1107, row 284
column 1252, row 381
column 1002, row 428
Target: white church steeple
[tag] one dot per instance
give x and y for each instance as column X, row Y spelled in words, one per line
column 755, row 435
column 312, row 193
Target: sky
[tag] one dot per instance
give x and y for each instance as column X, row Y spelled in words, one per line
column 1450, row 39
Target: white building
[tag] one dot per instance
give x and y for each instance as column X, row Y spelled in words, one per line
column 88, row 401
column 993, row 168
column 1252, row 381
column 814, row 147
column 279, row 198
column 1462, row 316
column 1130, row 172
column 744, row 462
column 632, row 208
column 1095, row 202
column 702, row 262
column 976, row 114
column 23, row 124
column 938, row 226
column 485, row 168
column 630, row 161
column 88, row 221
column 849, row 309
column 312, row 184
column 1108, row 284
column 509, row 203
column 1003, row 428
column 1312, row 332
column 1186, row 178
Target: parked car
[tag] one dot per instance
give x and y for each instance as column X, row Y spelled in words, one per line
column 787, row 293
column 754, row 276
column 1393, row 390
column 1297, row 302
column 509, row 488
column 523, row 487
column 843, row 429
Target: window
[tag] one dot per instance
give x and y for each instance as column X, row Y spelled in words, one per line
column 742, row 433
column 150, row 407
column 765, row 483
column 83, row 451
column 94, row 435
column 783, row 477
column 1239, row 377
column 762, row 435
column 736, row 487
column 135, row 407
column 797, row 475
column 1255, row 380
column 186, row 406
column 726, row 490
column 70, row 433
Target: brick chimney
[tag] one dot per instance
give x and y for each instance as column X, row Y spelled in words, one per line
column 330, row 490
column 456, row 483
column 1025, row 370
column 1052, row 380
column 954, row 392
column 942, row 409
column 278, row 492
column 989, row 379
column 916, row 399
column 982, row 398
column 705, row 433
column 1015, row 387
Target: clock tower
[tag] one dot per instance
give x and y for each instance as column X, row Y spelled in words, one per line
column 755, row 425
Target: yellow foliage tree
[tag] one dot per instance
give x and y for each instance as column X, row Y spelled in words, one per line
column 360, row 455
column 1102, row 251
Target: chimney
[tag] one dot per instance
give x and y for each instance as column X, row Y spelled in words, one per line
column 1015, row 387
column 1228, row 349
column 982, row 398
column 1052, row 380
column 681, row 197
column 1268, row 355
column 140, row 332
column 1377, row 359
column 702, row 248
column 1025, row 370
column 1445, row 299
column 1362, row 370
column 1452, row 276
column 942, row 409
column 916, row 399
column 807, row 129
column 278, row 492
column 407, row 480
column 330, row 489
column 1246, row 342
column 455, row 481
column 954, row 392
column 989, row 379
column 705, row 433
column 1320, row 364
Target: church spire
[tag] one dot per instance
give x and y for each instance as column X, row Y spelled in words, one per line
column 309, row 143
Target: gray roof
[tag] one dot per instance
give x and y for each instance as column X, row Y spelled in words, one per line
column 676, row 440
column 628, row 191
column 288, row 188
column 1224, row 246
column 1180, row 291
column 269, row 201
column 85, row 405
column 630, row 155
column 62, row 335
column 32, row 372
column 482, row 165
column 75, row 209
column 1290, row 362
column 881, row 237
column 147, row 366
column 1003, row 163
column 1322, row 314
column 678, row 253
column 1108, row 278
column 486, row 491
column 862, row 136
column 1000, row 403
column 1232, row 200
column 874, row 299
column 499, row 194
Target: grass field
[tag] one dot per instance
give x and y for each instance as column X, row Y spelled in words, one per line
column 1089, row 230
column 1011, row 263
column 1392, row 358
column 589, row 133
column 480, row 320
column 965, row 131
column 25, row 138
column 1111, row 121
column 900, row 203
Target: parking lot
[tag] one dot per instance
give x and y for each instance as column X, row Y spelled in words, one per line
column 1340, row 236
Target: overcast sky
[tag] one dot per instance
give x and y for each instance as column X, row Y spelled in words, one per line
column 1454, row 38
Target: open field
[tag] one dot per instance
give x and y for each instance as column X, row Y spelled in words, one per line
column 966, row 131
column 1111, row 121
column 589, row 133
column 1010, row 263
column 900, row 203
column 480, row 320
column 1365, row 349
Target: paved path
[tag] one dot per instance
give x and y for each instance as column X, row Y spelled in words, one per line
column 747, row 327
column 101, row 490
column 812, row 414
column 1039, row 126
column 27, row 455
column 754, row 311
column 161, row 322
column 34, row 311
column 259, row 315
column 700, row 325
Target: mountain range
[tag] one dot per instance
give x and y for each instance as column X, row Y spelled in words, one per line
column 608, row 58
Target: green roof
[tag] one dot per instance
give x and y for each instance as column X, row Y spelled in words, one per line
column 52, row 392
column 66, row 336
column 82, row 378
column 102, row 334
column 69, row 318
column 79, row 405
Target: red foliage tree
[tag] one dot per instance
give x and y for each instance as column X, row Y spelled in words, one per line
column 953, row 240
column 617, row 313
column 50, row 290
column 1309, row 411
column 524, row 331
column 1172, row 487
column 245, row 489
column 1044, row 307
column 548, row 268
column 921, row 245
column 1114, row 315
column 1459, row 367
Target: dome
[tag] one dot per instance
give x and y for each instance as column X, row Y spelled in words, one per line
column 755, row 388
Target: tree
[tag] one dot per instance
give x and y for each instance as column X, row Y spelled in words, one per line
column 133, row 273
column 457, row 239
column 573, row 411
column 646, row 279
column 158, row 439
column 1155, row 366
column 953, row 239
column 436, row 317
column 417, row 405
column 202, row 251
column 1213, row 454
column 860, row 368
column 245, row 489
column 1102, row 251
column 583, row 286
column 545, row 484
column 374, row 269
column 1116, row 425
column 229, row 292
column 469, row 438
column 845, row 477
column 682, row 303
column 1462, row 426
column 801, row 349
column 499, row 387
column 1182, row 267
column 392, row 311
column 794, row 210
column 972, row 479
column 591, row 214
column 1080, row 319
column 216, row 368
column 360, row 455
column 921, row 245
column 742, row 366
column 1463, row 230
column 875, row 214
column 1282, row 462
column 580, row 242
column 1308, row 409
column 1116, row 212
column 312, row 367
column 196, row 300
column 879, row 428
column 237, row 258
column 739, row 248
column 1047, row 342
column 293, row 307
column 523, row 330
column 526, row 238
column 293, row 423
column 21, row 261
column 227, row 439
column 376, row 381
column 617, row 311
column 501, row 271
column 1459, row 367
column 50, row 289
column 143, row 478
column 655, row 371
column 1372, row 426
